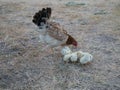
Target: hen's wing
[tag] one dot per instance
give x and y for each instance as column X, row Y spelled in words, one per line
column 57, row 32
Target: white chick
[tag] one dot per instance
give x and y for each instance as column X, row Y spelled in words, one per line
column 67, row 57
column 86, row 58
column 70, row 57
column 74, row 57
column 66, row 50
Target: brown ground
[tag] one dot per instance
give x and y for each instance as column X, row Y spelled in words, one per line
column 94, row 23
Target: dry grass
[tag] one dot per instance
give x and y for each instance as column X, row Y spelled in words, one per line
column 96, row 26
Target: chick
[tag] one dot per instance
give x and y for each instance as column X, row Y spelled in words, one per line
column 86, row 58
column 65, row 50
column 67, row 57
column 70, row 57
column 74, row 57
column 82, row 57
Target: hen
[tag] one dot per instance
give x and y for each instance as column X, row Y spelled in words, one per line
column 51, row 32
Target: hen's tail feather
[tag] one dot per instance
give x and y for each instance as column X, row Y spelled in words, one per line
column 42, row 16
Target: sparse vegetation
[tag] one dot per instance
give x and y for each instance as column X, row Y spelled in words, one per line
column 94, row 23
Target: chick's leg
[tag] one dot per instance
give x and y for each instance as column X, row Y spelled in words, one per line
column 56, row 52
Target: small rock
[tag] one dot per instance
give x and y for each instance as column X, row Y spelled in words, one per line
column 101, row 12
column 74, row 4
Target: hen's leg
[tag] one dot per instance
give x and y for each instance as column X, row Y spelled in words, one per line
column 57, row 52
column 48, row 49
column 45, row 48
column 41, row 38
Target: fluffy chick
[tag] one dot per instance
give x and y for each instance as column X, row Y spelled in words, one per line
column 85, row 57
column 74, row 57
column 65, row 50
column 67, row 57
